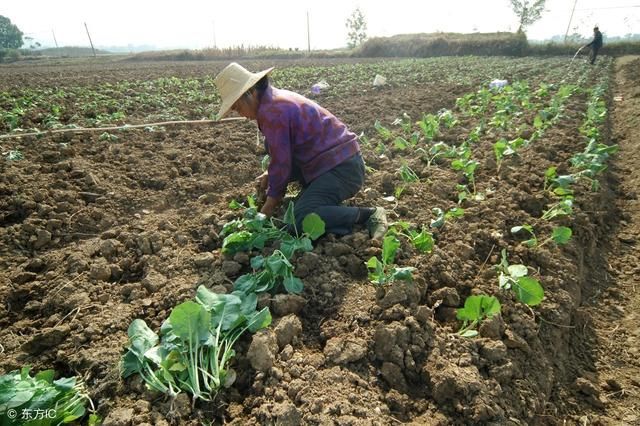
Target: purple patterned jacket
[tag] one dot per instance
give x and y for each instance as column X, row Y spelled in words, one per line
column 303, row 139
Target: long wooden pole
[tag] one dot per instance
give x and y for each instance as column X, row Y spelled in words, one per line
column 125, row 127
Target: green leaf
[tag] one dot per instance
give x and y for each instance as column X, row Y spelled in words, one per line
column 237, row 241
column 455, row 212
column 526, row 227
column 130, row 364
column 517, row 271
column 65, row 383
column 234, row 205
column 490, row 305
column 472, row 309
column 376, row 270
column 223, row 308
column 246, row 283
column 278, row 264
column 469, row 333
column 400, row 143
column 561, row 235
column 260, row 320
column 46, row 375
column 439, row 220
column 73, row 413
column 293, row 285
column 390, row 246
column 257, row 262
column 478, row 307
column 403, row 274
column 551, row 172
column 289, row 215
column 423, row 241
column 141, row 338
column 529, row 291
column 564, row 181
column 190, row 322
column 252, row 202
column 248, row 304
column 313, row 226
column 264, row 164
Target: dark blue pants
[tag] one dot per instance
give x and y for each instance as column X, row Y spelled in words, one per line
column 325, row 194
column 594, row 54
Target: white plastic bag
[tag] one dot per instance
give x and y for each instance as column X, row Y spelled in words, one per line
column 379, row 80
column 319, row 87
column 498, row 84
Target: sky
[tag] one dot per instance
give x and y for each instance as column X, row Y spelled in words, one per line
column 283, row 23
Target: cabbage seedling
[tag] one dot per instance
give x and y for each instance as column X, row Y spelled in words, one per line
column 268, row 273
column 441, row 216
column 14, row 155
column 63, row 400
column 407, row 174
column 561, row 208
column 503, row 148
column 527, row 289
column 430, row 126
column 446, row 117
column 421, row 240
column 404, row 122
column 437, row 150
column 560, row 235
column 384, row 133
column 196, row 346
column 383, row 271
column 476, row 308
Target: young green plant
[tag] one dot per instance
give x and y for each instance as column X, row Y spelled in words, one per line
column 63, row 400
column 559, row 235
column 515, row 277
column 476, row 308
column 196, row 346
column 383, row 271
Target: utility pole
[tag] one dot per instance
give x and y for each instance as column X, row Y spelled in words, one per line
column 54, row 38
column 90, row 42
column 570, row 19
column 213, row 25
column 308, row 35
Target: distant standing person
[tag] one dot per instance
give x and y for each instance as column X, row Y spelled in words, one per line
column 306, row 143
column 595, row 44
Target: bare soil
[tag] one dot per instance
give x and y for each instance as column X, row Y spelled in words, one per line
column 94, row 234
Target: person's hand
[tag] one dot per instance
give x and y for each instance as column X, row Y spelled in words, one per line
column 269, row 206
column 261, row 182
column 261, row 187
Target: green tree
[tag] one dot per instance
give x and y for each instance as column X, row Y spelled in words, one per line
column 527, row 11
column 10, row 35
column 357, row 26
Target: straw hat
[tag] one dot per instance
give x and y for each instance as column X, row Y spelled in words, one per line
column 233, row 82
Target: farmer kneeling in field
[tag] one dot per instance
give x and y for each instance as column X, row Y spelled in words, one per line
column 306, row 143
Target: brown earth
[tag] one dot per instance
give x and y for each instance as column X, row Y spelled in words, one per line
column 95, row 234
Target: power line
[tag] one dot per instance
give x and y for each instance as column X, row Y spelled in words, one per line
column 610, row 7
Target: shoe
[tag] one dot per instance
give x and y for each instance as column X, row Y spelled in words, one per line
column 377, row 223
